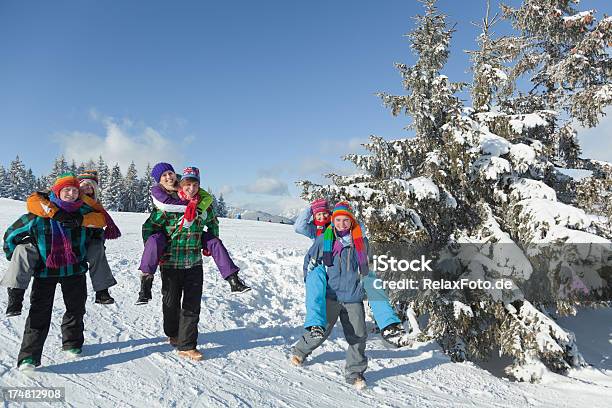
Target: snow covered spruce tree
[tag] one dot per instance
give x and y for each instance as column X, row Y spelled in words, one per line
column 103, row 175
column 59, row 166
column 132, row 190
column 114, row 192
column 4, row 184
column 480, row 188
column 20, row 181
column 221, row 207
column 145, row 202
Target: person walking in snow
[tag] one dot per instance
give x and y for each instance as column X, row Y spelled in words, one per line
column 181, row 266
column 26, row 257
column 311, row 222
column 166, row 198
column 341, row 251
column 63, row 249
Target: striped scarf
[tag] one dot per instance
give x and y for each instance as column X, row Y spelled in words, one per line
column 111, row 231
column 61, row 253
column 332, row 246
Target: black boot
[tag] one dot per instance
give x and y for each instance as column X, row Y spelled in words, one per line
column 236, row 284
column 15, row 301
column 103, row 297
column 317, row 332
column 146, row 284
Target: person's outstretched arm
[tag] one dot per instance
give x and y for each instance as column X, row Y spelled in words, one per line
column 303, row 225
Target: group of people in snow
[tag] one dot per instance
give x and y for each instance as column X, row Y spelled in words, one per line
column 62, row 237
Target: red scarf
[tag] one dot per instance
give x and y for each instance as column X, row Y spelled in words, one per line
column 321, row 225
column 191, row 212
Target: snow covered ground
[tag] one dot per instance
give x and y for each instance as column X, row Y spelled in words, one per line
column 246, row 341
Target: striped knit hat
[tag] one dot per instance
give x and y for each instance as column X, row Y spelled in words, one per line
column 319, row 206
column 344, row 208
column 89, row 175
column 64, row 180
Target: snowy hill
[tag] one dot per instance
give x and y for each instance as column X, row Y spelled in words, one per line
column 246, row 341
column 255, row 215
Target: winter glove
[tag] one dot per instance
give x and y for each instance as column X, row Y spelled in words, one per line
column 68, row 220
column 206, row 252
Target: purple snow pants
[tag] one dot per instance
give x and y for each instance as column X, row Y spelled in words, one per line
column 156, row 245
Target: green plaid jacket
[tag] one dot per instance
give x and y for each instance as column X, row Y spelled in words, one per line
column 184, row 246
column 37, row 230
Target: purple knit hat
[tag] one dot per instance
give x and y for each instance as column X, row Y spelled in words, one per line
column 159, row 169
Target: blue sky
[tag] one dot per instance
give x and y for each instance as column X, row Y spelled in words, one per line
column 257, row 94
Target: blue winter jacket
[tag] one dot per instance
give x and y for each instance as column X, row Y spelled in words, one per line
column 343, row 277
column 303, row 224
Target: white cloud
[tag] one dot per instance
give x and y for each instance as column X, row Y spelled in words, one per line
column 268, row 185
column 226, row 189
column 596, row 143
column 122, row 143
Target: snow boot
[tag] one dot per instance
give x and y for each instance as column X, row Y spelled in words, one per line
column 358, row 382
column 74, row 352
column 395, row 336
column 191, row 354
column 27, row 364
column 146, row 285
column 236, row 284
column 15, row 301
column 104, row 298
column 317, row 332
column 296, row 361
column 173, row 341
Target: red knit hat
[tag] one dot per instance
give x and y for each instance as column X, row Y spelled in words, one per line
column 64, row 180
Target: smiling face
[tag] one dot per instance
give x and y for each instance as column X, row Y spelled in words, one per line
column 69, row 194
column 342, row 223
column 190, row 187
column 87, row 189
column 168, row 180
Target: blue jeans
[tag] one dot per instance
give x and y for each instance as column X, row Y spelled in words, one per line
column 316, row 284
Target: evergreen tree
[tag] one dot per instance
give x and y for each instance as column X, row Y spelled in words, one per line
column 4, row 183
column 215, row 203
column 145, row 201
column 90, row 165
column 19, row 184
column 482, row 181
column 31, row 182
column 132, row 189
column 73, row 168
column 41, row 184
column 59, row 166
column 113, row 197
column 221, row 207
column 103, row 175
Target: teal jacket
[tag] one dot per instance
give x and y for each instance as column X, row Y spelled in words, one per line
column 37, row 230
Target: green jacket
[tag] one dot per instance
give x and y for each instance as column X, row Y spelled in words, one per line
column 169, row 202
column 37, row 230
column 184, row 245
